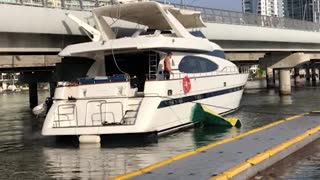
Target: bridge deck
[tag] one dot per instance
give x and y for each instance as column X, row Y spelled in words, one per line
column 236, row 157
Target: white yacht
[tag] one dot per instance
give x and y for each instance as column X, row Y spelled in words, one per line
column 125, row 92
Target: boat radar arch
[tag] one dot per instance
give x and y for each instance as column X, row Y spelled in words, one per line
column 154, row 15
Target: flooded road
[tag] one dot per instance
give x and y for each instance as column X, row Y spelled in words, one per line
column 25, row 154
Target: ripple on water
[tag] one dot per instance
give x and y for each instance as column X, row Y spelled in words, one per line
column 24, row 154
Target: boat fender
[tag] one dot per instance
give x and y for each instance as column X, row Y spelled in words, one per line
column 40, row 110
column 89, row 139
column 203, row 114
column 186, row 84
column 48, row 102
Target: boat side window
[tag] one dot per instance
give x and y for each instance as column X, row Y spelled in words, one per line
column 217, row 53
column 148, row 32
column 194, row 64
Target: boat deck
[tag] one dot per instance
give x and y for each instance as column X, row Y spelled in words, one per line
column 240, row 157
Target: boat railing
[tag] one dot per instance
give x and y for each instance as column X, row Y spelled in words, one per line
column 96, row 80
column 225, row 71
column 244, row 69
column 66, row 113
column 103, row 114
column 105, row 79
column 92, row 121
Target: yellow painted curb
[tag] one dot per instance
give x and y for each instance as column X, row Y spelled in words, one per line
column 295, row 117
column 219, row 177
column 201, row 149
column 267, row 154
column 312, row 131
column 230, row 173
column 129, row 175
column 275, row 150
column 184, row 155
column 157, row 165
column 259, row 129
column 258, row 158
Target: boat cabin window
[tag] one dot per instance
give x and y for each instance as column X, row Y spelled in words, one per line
column 194, row 64
column 148, row 32
column 79, row 68
column 217, row 53
column 155, row 32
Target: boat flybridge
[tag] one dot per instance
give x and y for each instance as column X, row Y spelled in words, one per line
column 125, row 90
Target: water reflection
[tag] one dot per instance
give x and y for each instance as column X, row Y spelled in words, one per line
column 201, row 136
column 105, row 162
column 25, row 154
column 286, row 100
column 71, row 163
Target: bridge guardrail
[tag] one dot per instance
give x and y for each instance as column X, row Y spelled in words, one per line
column 239, row 18
column 208, row 14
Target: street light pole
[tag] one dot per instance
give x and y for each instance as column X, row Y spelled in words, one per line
column 181, row 3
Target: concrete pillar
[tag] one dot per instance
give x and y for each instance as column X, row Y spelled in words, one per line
column 52, row 88
column 284, row 82
column 296, row 76
column 274, row 76
column 33, row 95
column 307, row 74
column 269, row 78
column 313, row 75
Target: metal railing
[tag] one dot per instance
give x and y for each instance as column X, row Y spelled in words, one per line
column 208, row 14
column 67, row 115
column 83, row 5
column 248, row 19
column 228, row 70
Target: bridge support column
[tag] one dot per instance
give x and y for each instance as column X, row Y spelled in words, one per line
column 307, row 74
column 284, row 82
column 269, row 78
column 313, row 75
column 296, row 76
column 274, row 71
column 52, row 88
column 33, row 95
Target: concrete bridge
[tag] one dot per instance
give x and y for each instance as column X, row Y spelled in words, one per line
column 32, row 32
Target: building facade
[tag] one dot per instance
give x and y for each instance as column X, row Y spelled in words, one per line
column 307, row 10
column 264, row 7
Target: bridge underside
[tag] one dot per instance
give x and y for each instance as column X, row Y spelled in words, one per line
column 36, row 44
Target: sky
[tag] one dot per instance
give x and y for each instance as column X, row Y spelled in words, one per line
column 233, row 5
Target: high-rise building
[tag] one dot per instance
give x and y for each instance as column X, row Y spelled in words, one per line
column 281, row 8
column 316, row 11
column 302, row 9
column 263, row 7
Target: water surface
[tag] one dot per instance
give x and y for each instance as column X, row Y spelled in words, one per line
column 25, row 154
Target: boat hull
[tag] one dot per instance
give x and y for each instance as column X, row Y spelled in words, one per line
column 156, row 111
